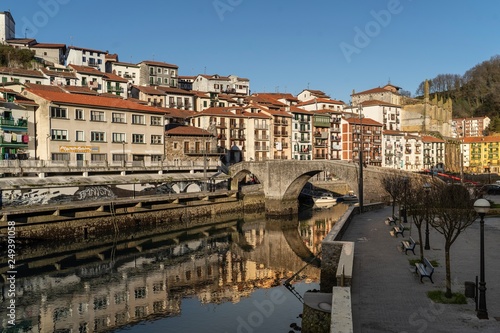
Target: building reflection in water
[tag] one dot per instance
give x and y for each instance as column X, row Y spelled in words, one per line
column 97, row 291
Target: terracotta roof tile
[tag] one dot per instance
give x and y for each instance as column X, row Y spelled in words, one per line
column 85, row 49
column 375, row 102
column 49, row 46
column 149, row 90
column 372, row 91
column 158, row 63
column 428, row 138
column 92, row 101
column 321, row 100
column 21, row 72
column 364, row 121
column 86, row 70
column 114, row 78
column 188, row 131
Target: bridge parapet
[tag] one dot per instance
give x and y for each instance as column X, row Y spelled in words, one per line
column 283, row 180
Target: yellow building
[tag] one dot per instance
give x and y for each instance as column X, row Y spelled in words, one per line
column 481, row 154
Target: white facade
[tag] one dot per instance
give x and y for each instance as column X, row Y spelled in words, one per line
column 22, row 76
column 7, row 27
column 127, row 71
column 86, row 57
column 222, row 84
column 392, row 150
column 301, row 135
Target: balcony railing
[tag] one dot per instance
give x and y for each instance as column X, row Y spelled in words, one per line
column 261, row 148
column 20, row 122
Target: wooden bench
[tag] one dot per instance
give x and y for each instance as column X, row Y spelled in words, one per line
column 392, row 220
column 408, row 245
column 399, row 230
column 424, row 269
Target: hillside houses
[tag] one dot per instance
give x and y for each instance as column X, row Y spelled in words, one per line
column 84, row 104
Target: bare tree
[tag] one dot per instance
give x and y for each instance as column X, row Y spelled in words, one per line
column 418, row 208
column 453, row 207
column 392, row 184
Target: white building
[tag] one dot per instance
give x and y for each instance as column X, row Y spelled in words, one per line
column 7, row 27
column 385, row 113
column 221, row 84
column 126, row 70
column 86, row 57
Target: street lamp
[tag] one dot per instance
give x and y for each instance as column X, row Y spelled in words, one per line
column 427, row 189
column 405, row 215
column 361, row 148
column 123, row 153
column 482, row 206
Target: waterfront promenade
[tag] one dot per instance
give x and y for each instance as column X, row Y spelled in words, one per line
column 387, row 295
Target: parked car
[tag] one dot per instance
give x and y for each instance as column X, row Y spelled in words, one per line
column 491, row 189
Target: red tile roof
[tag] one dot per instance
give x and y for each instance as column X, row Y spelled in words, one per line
column 114, row 78
column 65, row 74
column 49, row 46
column 86, row 70
column 85, row 49
column 188, row 131
column 79, row 90
column 363, row 121
column 428, row 138
column 376, row 102
column 372, row 91
column 480, row 139
column 158, row 63
column 21, row 72
column 177, row 91
column 321, row 100
column 149, row 90
column 277, row 96
column 392, row 132
column 92, row 101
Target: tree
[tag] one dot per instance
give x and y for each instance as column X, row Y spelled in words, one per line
column 392, row 184
column 418, row 208
column 453, row 208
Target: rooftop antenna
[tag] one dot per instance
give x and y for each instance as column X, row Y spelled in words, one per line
column 307, row 85
column 26, row 33
column 205, row 70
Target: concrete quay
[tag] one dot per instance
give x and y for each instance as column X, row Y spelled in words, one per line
column 387, row 295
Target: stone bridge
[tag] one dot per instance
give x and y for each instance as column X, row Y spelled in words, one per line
column 282, row 180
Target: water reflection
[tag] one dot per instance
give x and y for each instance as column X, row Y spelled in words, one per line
column 229, row 277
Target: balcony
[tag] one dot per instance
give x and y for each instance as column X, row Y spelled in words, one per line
column 320, row 157
column 261, row 148
column 335, row 130
column 262, row 137
column 221, row 125
column 204, row 152
column 11, row 122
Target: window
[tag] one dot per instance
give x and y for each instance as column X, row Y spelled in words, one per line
column 155, row 139
column 79, row 136
column 97, row 136
column 79, row 114
column 59, row 135
column 156, row 121
column 138, row 119
column 156, row 158
column 159, row 70
column 118, row 117
column 119, row 157
column 56, row 112
column 158, row 80
column 137, row 138
column 60, row 157
column 140, row 292
column 96, row 115
column 84, row 59
column 165, row 80
column 98, row 157
column 119, row 137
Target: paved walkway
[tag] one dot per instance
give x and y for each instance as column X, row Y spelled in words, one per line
column 388, row 297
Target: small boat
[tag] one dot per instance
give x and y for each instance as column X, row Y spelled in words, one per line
column 349, row 197
column 324, row 199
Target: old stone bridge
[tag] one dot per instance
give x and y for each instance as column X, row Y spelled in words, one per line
column 283, row 180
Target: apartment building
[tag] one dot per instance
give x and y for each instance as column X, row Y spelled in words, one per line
column 321, row 134
column 317, row 104
column 19, row 75
column 128, row 71
column 96, row 129
column 7, row 26
column 17, row 126
column 362, row 136
column 412, row 152
column 50, row 53
column 88, row 77
column 392, row 149
column 301, row 140
column 310, row 94
column 59, row 76
column 386, row 113
column 388, row 94
column 86, row 57
column 481, row 154
column 231, row 84
column 281, row 129
column 434, row 148
column 466, row 127
column 158, row 73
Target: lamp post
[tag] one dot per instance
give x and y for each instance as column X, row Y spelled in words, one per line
column 360, row 183
column 123, row 153
column 405, row 216
column 482, row 206
column 427, row 189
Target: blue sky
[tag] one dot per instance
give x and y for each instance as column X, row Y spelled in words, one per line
column 286, row 46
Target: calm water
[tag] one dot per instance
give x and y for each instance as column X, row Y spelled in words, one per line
column 227, row 278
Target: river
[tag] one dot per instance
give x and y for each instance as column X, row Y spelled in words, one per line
column 229, row 278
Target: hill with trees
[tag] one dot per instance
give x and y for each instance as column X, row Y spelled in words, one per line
column 474, row 94
column 17, row 58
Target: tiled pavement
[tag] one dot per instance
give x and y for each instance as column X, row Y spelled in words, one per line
column 387, row 295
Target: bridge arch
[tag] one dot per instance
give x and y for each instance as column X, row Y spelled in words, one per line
column 282, row 180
